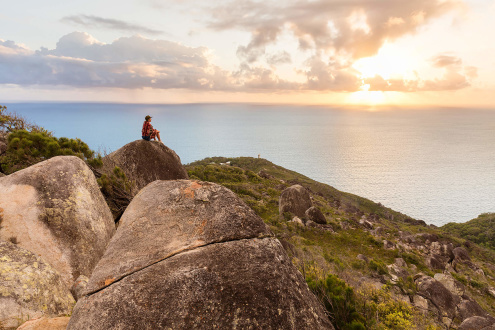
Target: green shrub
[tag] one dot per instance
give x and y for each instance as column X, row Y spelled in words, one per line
column 480, row 230
column 381, row 311
column 378, row 266
column 339, row 300
column 27, row 148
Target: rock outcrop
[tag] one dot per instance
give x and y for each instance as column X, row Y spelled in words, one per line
column 144, row 162
column 438, row 296
column 294, row 199
column 195, row 256
column 29, row 288
column 55, row 209
column 314, row 214
column 446, row 297
column 478, row 323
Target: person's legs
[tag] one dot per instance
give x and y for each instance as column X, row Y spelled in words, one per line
column 153, row 135
column 158, row 136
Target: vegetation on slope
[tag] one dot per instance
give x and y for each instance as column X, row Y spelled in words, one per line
column 480, row 230
column 328, row 256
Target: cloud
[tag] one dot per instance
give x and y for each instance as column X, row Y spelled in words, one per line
column 79, row 60
column 91, row 21
column 444, row 60
column 279, row 58
column 356, row 28
column 455, row 76
column 330, row 76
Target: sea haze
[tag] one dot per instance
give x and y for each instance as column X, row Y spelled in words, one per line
column 432, row 164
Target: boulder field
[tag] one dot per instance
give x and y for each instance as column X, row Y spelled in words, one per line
column 192, row 255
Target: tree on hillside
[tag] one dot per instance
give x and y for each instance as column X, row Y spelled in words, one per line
column 10, row 122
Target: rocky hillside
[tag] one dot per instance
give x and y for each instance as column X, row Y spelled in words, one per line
column 403, row 273
column 243, row 243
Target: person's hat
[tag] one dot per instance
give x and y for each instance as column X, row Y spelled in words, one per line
column 147, row 117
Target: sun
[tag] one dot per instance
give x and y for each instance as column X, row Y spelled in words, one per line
column 366, row 97
column 390, row 62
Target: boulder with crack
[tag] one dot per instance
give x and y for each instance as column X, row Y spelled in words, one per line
column 440, row 299
column 191, row 255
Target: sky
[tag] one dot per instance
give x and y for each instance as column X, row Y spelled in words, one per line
column 345, row 52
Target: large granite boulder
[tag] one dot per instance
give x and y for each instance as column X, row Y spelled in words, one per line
column 469, row 308
column 192, row 255
column 461, row 254
column 29, row 288
column 438, row 295
column 56, row 210
column 294, row 199
column 144, row 162
column 478, row 323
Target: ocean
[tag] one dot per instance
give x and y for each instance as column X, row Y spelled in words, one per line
column 434, row 164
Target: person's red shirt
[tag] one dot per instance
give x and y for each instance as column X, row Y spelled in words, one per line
column 147, row 128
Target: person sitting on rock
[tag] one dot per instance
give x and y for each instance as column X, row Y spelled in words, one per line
column 148, row 132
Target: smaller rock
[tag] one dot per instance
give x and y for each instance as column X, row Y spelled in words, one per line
column 435, row 262
column 397, row 272
column 294, row 199
column 328, row 228
column 480, row 272
column 314, row 214
column 362, row 257
column 378, row 231
column 388, row 245
column 79, row 286
column 366, row 224
column 310, row 223
column 477, row 323
column 298, row 221
column 264, row 175
column 415, row 222
column 57, row 323
column 400, row 262
column 421, row 303
column 461, row 254
column 438, row 294
column 469, row 308
column 448, row 281
column 427, row 237
column 491, row 291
